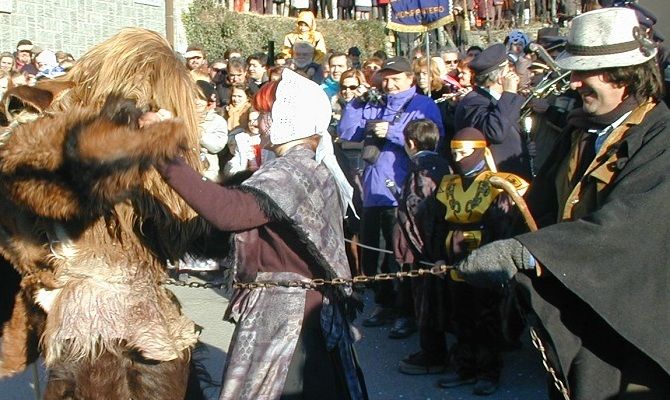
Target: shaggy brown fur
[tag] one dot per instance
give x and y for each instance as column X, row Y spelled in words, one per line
column 21, row 335
column 113, row 377
column 87, row 227
column 20, row 101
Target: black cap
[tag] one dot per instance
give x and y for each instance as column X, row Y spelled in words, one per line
column 354, row 51
column 547, row 32
column 492, row 58
column 552, row 42
column 207, row 89
column 397, row 64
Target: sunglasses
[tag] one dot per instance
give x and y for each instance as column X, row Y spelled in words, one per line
column 352, row 87
column 451, row 61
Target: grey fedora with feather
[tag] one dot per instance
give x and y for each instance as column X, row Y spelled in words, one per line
column 605, row 38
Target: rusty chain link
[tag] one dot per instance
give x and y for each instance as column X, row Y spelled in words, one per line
column 436, row 270
column 537, row 342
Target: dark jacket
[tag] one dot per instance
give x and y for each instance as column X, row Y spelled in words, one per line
column 499, row 121
column 426, row 171
column 606, row 273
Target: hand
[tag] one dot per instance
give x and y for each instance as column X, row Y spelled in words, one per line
column 510, row 82
column 151, row 117
column 361, row 90
column 378, row 128
column 495, row 264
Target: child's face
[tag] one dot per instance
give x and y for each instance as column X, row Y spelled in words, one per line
column 303, row 27
column 410, row 147
column 237, row 97
column 253, row 122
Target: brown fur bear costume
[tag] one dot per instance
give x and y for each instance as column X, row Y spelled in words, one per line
column 85, row 235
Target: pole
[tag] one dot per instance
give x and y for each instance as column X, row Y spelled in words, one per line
column 466, row 18
column 488, row 22
column 553, row 11
column 169, row 21
column 430, row 78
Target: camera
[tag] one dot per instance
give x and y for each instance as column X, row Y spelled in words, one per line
column 373, row 96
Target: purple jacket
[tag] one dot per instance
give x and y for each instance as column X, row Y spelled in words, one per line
column 393, row 162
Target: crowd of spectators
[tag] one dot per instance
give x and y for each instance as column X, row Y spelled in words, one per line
column 498, row 14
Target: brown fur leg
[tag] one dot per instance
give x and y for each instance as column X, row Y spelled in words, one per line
column 117, row 378
column 164, row 381
column 20, row 337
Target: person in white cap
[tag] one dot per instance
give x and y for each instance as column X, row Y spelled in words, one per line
column 597, row 271
column 290, row 340
column 196, row 58
column 24, row 55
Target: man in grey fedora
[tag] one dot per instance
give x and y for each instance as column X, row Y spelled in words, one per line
column 596, row 274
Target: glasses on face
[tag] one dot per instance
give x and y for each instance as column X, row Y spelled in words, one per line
column 453, row 62
column 350, row 87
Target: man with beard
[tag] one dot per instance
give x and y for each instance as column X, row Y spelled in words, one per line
column 196, row 61
column 597, row 280
column 303, row 62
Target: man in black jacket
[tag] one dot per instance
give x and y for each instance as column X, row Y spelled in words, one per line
column 494, row 108
column 597, row 281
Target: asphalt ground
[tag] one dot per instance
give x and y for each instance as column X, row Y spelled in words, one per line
column 522, row 378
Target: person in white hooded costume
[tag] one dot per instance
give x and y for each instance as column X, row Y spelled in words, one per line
column 286, row 219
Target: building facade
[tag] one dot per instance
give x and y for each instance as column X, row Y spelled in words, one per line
column 75, row 26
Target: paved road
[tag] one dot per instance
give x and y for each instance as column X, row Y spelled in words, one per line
column 522, row 378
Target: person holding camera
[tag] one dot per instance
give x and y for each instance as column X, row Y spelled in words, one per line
column 378, row 120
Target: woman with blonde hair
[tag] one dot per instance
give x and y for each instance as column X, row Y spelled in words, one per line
column 428, row 81
column 305, row 31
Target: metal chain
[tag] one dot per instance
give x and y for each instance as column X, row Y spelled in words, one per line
column 436, row 270
column 537, row 342
column 193, row 284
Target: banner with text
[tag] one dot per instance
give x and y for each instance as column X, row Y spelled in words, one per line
column 419, row 15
